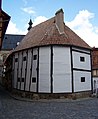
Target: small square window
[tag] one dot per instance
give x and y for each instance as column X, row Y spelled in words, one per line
column 34, row 80
column 16, row 59
column 82, row 79
column 24, row 58
column 34, row 57
column 82, row 59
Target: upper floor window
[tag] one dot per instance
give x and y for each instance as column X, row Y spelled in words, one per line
column 82, row 59
column 16, row 59
column 34, row 57
column 24, row 58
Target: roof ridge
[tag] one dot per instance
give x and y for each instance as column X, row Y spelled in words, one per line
column 47, row 33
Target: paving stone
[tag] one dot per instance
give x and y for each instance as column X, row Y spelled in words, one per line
column 47, row 109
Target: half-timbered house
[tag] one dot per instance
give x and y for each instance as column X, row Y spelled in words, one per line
column 51, row 58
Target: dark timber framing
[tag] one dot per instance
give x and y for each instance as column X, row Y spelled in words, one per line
column 80, row 51
column 37, row 70
column 17, row 71
column 31, row 69
column 30, row 55
column 51, row 69
column 26, row 69
column 21, row 69
column 91, row 72
column 13, row 71
column 76, row 69
column 72, row 79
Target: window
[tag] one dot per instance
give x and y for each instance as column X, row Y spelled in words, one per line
column 34, row 80
column 82, row 59
column 34, row 57
column 94, row 72
column 24, row 58
column 18, row 79
column 82, row 79
column 22, row 80
column 16, row 59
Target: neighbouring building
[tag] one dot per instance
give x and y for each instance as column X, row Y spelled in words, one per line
column 52, row 59
column 4, row 20
column 95, row 69
column 9, row 43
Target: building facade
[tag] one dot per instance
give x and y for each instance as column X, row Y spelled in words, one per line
column 4, row 20
column 95, row 69
column 9, row 43
column 51, row 58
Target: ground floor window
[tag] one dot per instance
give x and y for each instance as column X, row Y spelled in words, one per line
column 82, row 79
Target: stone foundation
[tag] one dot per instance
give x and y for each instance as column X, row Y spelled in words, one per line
column 37, row 96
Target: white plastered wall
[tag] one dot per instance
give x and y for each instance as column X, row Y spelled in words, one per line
column 15, row 66
column 81, row 65
column 81, row 69
column 28, row 70
column 23, row 70
column 44, row 69
column 82, row 86
column 34, row 71
column 19, row 69
column 61, row 70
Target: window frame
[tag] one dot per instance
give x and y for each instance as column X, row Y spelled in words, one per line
column 16, row 59
column 82, row 59
column 33, row 79
column 34, row 57
column 82, row 79
column 24, row 58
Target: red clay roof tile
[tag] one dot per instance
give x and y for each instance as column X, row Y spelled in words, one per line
column 46, row 33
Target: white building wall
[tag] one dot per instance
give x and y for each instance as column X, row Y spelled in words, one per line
column 28, row 70
column 15, row 67
column 19, row 69
column 79, row 64
column 44, row 69
column 82, row 69
column 81, row 86
column 61, row 70
column 34, row 70
column 23, row 70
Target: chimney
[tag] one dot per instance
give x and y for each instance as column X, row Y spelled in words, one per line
column 59, row 20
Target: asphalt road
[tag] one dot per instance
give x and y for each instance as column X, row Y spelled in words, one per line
column 47, row 109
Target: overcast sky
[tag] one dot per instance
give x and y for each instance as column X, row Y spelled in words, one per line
column 80, row 15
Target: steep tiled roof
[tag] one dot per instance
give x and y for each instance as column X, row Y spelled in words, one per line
column 47, row 33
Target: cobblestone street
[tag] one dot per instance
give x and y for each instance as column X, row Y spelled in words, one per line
column 54, row 109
